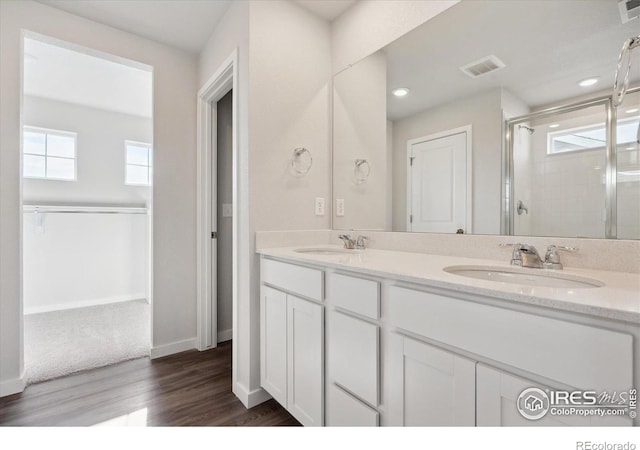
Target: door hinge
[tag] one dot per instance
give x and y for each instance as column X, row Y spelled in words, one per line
column 410, row 218
column 214, row 235
column 411, row 158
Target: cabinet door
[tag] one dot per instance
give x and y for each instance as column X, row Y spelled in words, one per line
column 497, row 396
column 273, row 343
column 353, row 356
column 305, row 328
column 344, row 410
column 429, row 386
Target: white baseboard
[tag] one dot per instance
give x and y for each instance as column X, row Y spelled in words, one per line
column 173, row 347
column 225, row 335
column 83, row 303
column 250, row 398
column 13, row 386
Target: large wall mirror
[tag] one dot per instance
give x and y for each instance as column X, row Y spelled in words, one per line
column 493, row 117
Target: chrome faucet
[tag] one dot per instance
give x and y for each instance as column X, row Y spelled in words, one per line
column 527, row 256
column 353, row 244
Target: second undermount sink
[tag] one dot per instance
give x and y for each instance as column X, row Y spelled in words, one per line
column 528, row 277
column 324, row 251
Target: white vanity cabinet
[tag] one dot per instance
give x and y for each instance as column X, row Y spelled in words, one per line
column 377, row 350
column 292, row 339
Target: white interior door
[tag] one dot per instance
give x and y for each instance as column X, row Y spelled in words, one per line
column 439, row 186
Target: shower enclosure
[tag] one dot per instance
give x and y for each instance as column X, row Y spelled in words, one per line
column 574, row 170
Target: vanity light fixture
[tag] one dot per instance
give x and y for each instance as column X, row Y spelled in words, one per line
column 401, row 92
column 554, row 125
column 632, row 110
column 588, row 82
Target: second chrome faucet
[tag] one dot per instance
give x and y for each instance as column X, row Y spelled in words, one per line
column 353, row 244
column 525, row 255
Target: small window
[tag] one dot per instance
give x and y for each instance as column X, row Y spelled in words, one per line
column 592, row 137
column 49, row 154
column 584, row 138
column 138, row 167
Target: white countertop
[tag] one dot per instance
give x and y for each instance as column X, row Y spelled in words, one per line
column 618, row 299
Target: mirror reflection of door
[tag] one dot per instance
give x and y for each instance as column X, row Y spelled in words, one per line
column 438, row 185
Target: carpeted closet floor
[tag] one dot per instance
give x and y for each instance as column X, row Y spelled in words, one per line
column 62, row 342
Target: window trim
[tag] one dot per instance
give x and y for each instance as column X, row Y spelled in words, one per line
column 149, row 167
column 53, row 132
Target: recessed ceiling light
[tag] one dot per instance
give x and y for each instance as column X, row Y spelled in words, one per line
column 554, row 125
column 588, row 82
column 632, row 110
column 400, row 92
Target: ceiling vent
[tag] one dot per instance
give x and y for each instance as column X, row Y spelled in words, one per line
column 483, row 66
column 629, row 9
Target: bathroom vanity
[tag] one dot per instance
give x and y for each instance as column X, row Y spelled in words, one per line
column 390, row 338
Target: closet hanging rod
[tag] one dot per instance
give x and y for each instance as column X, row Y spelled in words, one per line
column 83, row 209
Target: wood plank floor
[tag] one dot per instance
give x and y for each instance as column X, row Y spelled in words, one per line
column 188, row 389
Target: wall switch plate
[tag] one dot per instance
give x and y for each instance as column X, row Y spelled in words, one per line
column 319, row 206
column 227, row 210
column 340, row 207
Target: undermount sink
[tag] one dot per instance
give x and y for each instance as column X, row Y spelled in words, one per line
column 324, row 251
column 528, row 277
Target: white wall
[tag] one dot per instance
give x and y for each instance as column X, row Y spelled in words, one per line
column 360, row 132
column 289, row 76
column 369, row 25
column 174, row 287
column 76, row 260
column 100, row 153
column 483, row 112
column 283, row 104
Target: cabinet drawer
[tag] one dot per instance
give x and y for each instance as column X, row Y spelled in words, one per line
column 353, row 356
column 577, row 355
column 297, row 279
column 347, row 411
column 355, row 294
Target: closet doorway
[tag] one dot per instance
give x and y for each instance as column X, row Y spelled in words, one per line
column 87, row 176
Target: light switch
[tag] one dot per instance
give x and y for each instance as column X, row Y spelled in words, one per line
column 319, row 206
column 227, row 210
column 339, row 207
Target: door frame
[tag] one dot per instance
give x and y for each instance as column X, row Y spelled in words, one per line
column 223, row 80
column 469, row 196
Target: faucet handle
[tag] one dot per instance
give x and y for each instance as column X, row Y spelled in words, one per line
column 552, row 259
column 562, row 247
column 516, row 256
column 360, row 242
